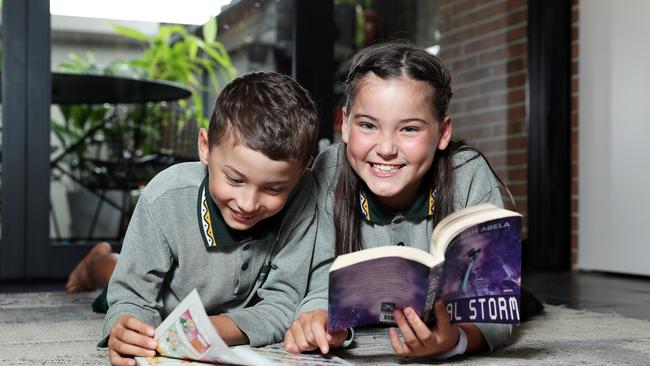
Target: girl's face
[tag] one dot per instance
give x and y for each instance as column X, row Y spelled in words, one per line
column 392, row 135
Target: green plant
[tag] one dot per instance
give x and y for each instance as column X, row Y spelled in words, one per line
column 79, row 121
column 173, row 54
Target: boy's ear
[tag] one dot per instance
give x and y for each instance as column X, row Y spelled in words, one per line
column 445, row 133
column 345, row 133
column 204, row 146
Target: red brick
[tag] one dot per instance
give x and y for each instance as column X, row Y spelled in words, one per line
column 574, row 205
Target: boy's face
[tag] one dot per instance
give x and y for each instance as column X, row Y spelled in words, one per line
column 245, row 184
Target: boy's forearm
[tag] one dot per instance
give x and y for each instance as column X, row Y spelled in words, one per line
column 228, row 330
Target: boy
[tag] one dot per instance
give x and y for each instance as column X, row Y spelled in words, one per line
column 224, row 230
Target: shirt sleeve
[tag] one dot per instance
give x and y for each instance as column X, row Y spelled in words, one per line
column 145, row 259
column 475, row 182
column 268, row 320
column 318, row 285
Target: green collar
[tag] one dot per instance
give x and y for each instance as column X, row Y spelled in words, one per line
column 214, row 230
column 372, row 210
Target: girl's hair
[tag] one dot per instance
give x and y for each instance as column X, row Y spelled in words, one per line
column 392, row 61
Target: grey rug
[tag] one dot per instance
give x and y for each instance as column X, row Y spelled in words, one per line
column 59, row 329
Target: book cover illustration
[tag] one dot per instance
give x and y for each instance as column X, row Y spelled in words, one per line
column 367, row 292
column 481, row 277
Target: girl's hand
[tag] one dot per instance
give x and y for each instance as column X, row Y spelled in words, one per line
column 420, row 340
column 130, row 337
column 309, row 332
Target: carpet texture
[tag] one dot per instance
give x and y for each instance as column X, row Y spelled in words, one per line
column 60, row 329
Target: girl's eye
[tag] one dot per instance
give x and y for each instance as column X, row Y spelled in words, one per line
column 233, row 180
column 366, row 125
column 410, row 129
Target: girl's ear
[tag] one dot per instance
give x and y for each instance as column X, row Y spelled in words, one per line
column 345, row 128
column 445, row 133
column 204, row 146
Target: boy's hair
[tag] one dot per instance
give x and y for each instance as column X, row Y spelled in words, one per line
column 392, row 61
column 269, row 113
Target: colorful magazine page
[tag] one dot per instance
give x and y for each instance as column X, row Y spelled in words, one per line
column 166, row 361
column 187, row 333
column 277, row 356
column 481, row 276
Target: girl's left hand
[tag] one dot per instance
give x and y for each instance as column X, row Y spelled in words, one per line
column 420, row 340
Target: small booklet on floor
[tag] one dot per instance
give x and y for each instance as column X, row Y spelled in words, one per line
column 187, row 337
column 474, row 266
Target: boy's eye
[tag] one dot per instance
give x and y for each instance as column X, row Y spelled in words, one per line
column 275, row 190
column 233, row 180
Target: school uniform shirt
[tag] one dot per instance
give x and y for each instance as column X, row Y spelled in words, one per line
column 474, row 184
column 177, row 240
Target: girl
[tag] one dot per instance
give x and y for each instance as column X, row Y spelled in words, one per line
column 394, row 177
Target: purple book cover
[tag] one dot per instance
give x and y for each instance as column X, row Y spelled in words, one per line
column 479, row 281
column 367, row 292
column 481, row 276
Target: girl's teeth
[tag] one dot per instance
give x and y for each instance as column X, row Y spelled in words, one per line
column 385, row 168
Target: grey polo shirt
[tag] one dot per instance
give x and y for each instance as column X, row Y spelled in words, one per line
column 474, row 183
column 178, row 241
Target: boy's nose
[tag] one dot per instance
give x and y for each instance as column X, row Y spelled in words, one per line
column 247, row 201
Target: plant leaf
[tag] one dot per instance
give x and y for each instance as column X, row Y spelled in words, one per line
column 210, row 30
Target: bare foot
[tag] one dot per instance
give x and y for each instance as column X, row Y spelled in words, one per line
column 79, row 279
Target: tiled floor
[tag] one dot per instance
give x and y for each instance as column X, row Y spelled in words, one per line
column 606, row 293
column 625, row 295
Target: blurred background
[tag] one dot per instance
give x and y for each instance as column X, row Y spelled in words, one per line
column 99, row 96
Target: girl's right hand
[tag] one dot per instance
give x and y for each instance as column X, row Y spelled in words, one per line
column 309, row 332
column 130, row 337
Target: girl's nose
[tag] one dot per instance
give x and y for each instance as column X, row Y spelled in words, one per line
column 387, row 147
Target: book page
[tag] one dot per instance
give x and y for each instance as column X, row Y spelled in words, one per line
column 444, row 235
column 187, row 333
column 481, row 277
column 455, row 216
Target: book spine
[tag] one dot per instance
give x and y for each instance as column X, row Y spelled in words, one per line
column 428, row 315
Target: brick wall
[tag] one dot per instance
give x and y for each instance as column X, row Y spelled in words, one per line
column 484, row 43
column 574, row 130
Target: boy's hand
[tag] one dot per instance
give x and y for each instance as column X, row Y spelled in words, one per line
column 420, row 340
column 309, row 332
column 130, row 337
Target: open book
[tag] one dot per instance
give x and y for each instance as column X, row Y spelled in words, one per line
column 474, row 266
column 187, row 337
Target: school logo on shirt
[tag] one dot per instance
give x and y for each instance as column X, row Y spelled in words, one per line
column 432, row 199
column 207, row 231
column 365, row 211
